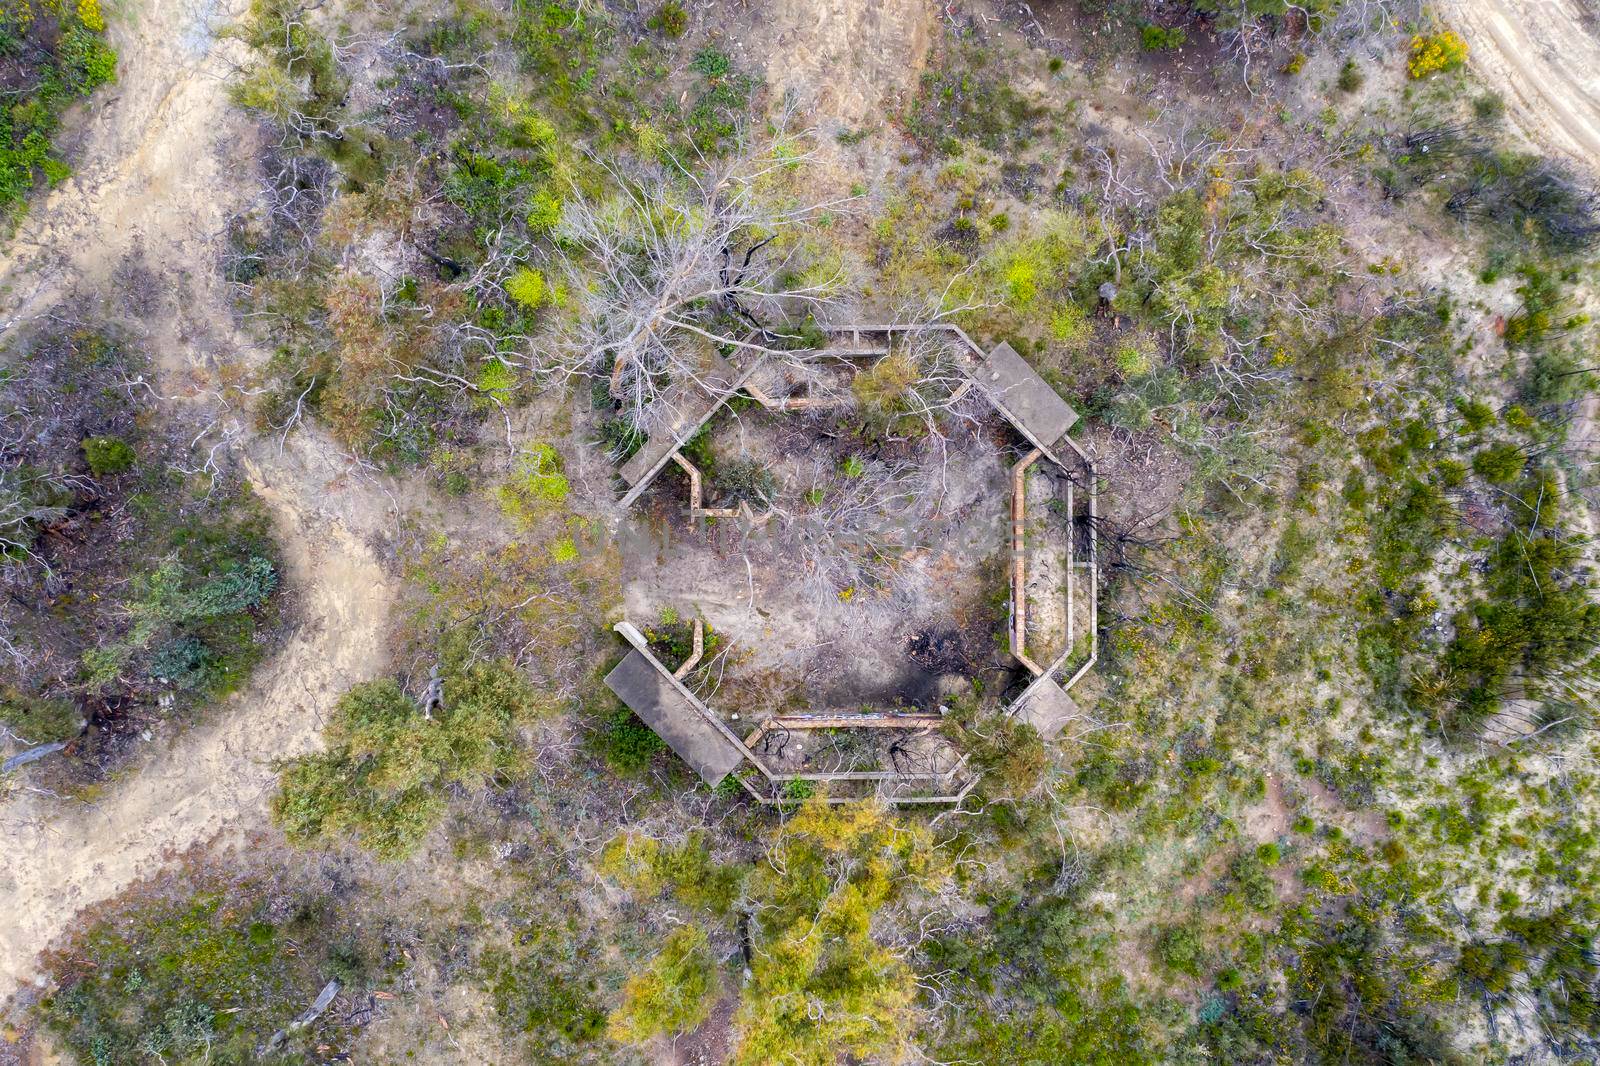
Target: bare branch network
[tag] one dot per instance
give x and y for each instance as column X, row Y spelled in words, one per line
column 681, row 267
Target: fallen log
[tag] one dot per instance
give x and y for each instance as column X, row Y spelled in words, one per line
column 23, row 758
column 323, row 1001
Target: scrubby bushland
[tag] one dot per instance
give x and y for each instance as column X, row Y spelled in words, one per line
column 209, row 966
column 51, row 53
column 139, row 569
column 1327, row 797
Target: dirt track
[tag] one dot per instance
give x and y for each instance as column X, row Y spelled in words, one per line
column 1544, row 57
column 158, row 173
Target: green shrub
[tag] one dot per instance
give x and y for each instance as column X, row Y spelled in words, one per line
column 536, row 485
column 1499, row 463
column 628, row 743
column 711, row 63
column 647, row 866
column 821, row 987
column 1249, row 872
column 108, row 455
column 527, row 287
column 1181, row 948
column 383, row 778
column 1155, row 38
column 38, row 720
column 544, row 214
column 670, row 19
column 1489, row 107
column 1554, row 378
column 1350, row 76
column 548, row 989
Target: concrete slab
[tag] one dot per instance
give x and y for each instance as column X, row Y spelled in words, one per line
column 1027, row 398
column 1046, row 706
column 652, row 696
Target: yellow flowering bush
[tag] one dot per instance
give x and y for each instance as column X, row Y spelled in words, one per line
column 1431, row 53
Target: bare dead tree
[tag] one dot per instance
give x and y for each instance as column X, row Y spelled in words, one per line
column 682, row 265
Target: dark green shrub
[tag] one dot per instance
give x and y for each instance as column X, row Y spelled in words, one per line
column 1500, row 463
column 711, row 63
column 1155, row 38
column 628, row 743
column 670, row 19
column 1350, row 76
column 1181, row 948
column 1554, row 378
column 1489, row 107
column 1249, row 872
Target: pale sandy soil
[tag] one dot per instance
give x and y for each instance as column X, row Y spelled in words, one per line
column 849, row 60
column 163, row 161
column 1543, row 56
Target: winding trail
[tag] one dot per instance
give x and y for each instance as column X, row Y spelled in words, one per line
column 163, row 161
column 215, row 780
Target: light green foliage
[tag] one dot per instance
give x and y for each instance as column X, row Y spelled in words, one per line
column 821, row 987
column 1021, row 282
column 881, row 394
column 536, row 485
column 527, row 288
column 57, row 53
column 564, row 550
column 1132, row 361
column 383, row 777
column 647, row 867
column 1069, row 325
column 495, row 382
column 670, row 996
column 1035, row 264
column 544, row 214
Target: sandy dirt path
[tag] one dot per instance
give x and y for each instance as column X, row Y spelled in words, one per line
column 1544, row 57
column 215, row 780
column 162, row 162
